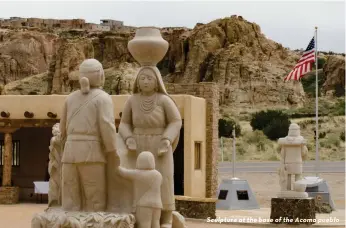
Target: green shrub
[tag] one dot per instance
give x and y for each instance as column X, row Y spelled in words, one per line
column 277, row 128
column 226, row 127
column 321, row 62
column 339, row 90
column 309, row 82
column 342, row 136
column 322, row 135
column 273, row 123
column 260, row 120
column 339, row 107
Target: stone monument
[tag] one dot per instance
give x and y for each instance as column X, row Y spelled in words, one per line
column 293, row 150
column 88, row 136
column 150, row 120
column 93, row 190
column 292, row 201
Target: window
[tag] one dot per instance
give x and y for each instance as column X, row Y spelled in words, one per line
column 15, row 152
column 197, row 155
column 223, row 194
column 242, row 195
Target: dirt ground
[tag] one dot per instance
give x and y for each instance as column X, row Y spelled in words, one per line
column 266, row 185
column 20, row 215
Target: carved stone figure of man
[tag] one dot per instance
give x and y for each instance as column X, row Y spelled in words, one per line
column 293, row 150
column 54, row 168
column 151, row 122
column 87, row 123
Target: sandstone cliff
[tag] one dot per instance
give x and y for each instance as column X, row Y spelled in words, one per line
column 248, row 67
column 24, row 53
column 334, row 70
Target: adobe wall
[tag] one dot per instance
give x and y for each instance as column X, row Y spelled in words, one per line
column 210, row 92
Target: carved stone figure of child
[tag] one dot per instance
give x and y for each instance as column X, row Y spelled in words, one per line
column 147, row 190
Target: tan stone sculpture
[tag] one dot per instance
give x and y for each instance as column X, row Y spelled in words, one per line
column 54, row 168
column 293, row 150
column 89, row 138
column 147, row 190
column 87, row 123
column 151, row 120
column 95, row 192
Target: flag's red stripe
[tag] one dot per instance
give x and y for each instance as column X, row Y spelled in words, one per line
column 307, row 57
column 309, row 52
column 303, row 66
column 312, row 58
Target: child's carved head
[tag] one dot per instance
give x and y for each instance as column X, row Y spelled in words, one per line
column 145, row 161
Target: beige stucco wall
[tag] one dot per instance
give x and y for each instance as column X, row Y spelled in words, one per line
column 194, row 119
column 192, row 110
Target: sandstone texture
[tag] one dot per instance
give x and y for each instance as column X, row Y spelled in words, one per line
column 24, row 53
column 334, row 70
column 247, row 66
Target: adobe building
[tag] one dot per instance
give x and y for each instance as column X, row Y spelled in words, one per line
column 113, row 24
column 61, row 24
column 26, row 129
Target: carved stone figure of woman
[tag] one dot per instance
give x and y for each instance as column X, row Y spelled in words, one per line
column 54, row 168
column 151, row 122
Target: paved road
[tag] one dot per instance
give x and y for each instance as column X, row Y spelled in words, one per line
column 269, row 167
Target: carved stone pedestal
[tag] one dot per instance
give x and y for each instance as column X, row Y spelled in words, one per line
column 57, row 218
column 9, row 195
column 293, row 211
column 199, row 208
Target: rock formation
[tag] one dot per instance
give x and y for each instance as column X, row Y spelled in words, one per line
column 248, row 67
column 24, row 54
column 232, row 52
column 334, row 70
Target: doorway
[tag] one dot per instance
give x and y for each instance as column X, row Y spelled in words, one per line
column 178, row 157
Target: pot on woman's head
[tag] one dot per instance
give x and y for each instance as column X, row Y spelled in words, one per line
column 148, row 47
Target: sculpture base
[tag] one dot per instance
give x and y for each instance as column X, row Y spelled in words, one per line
column 293, row 211
column 9, row 195
column 57, row 218
column 199, row 208
column 293, row 194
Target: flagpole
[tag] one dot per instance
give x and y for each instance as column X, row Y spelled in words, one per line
column 316, row 109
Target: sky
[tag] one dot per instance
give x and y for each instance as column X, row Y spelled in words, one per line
column 291, row 23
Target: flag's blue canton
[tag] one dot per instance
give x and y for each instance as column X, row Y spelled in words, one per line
column 311, row 45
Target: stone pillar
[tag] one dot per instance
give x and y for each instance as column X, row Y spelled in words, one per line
column 8, row 194
column 7, row 158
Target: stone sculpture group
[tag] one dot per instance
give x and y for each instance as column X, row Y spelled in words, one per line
column 100, row 178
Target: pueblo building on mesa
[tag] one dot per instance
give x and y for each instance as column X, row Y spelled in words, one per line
column 18, row 22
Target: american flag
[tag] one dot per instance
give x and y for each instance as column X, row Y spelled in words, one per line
column 304, row 64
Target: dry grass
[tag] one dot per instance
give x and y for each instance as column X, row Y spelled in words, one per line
column 254, row 145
